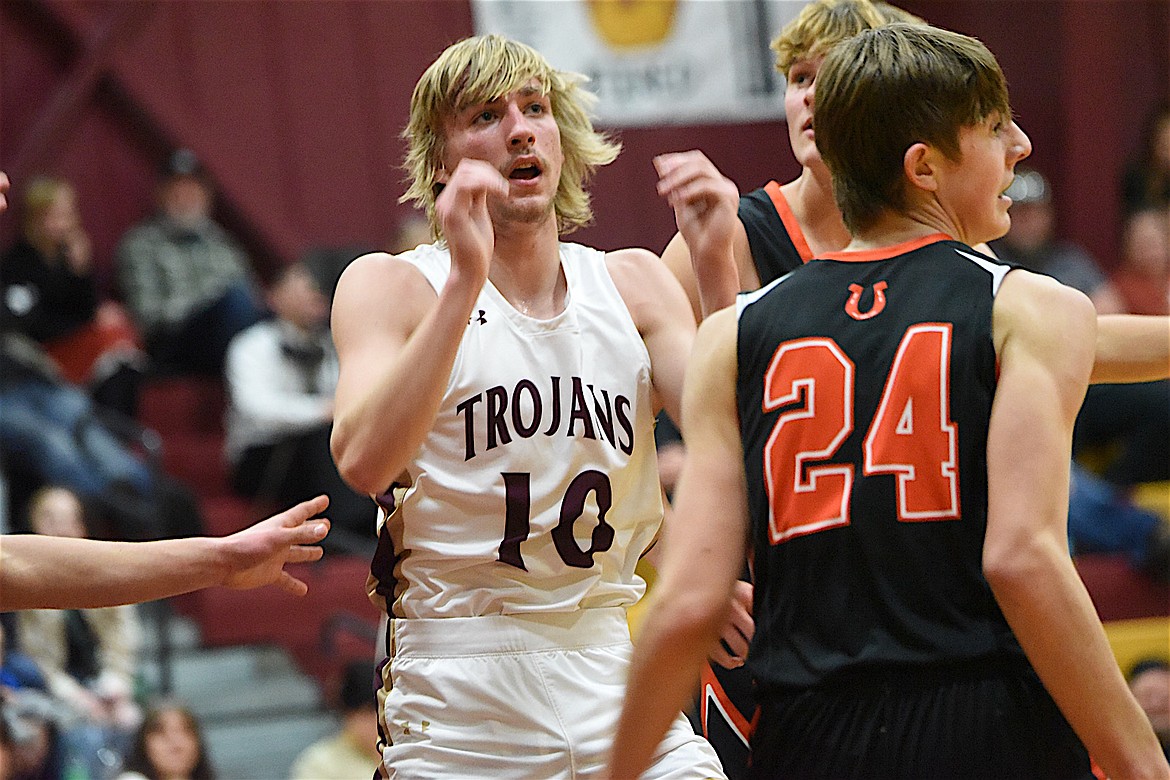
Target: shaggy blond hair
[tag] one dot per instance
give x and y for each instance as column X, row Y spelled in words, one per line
column 484, row 68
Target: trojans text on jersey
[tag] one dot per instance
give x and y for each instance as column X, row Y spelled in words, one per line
column 558, row 407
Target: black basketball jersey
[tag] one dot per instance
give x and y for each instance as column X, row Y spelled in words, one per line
column 727, row 709
column 865, row 384
column 776, row 240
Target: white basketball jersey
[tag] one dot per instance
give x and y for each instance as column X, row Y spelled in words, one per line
column 537, row 488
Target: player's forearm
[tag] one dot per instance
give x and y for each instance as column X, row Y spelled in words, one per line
column 44, row 572
column 1132, row 348
column 1051, row 614
column 670, row 651
column 718, row 281
column 677, row 258
column 376, row 435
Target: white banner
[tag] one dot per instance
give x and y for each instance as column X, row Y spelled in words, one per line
column 654, row 62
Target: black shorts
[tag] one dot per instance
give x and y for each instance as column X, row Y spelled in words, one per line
column 725, row 713
column 974, row 720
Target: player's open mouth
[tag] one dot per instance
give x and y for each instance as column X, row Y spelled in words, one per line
column 525, row 171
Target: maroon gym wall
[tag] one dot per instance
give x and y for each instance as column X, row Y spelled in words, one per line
column 295, row 107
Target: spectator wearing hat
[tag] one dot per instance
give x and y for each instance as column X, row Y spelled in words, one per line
column 1032, row 243
column 186, row 281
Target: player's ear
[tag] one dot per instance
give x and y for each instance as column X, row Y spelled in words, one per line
column 442, row 176
column 920, row 166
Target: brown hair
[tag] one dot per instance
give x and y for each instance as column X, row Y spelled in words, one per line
column 138, row 759
column 886, row 89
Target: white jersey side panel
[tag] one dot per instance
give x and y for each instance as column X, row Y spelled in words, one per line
column 537, row 488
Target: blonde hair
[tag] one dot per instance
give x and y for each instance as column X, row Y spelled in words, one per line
column 822, row 24
column 481, row 69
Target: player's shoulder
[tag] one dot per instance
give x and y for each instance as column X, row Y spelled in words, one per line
column 635, row 268
column 374, row 270
column 1030, row 290
column 370, row 282
column 643, row 280
column 631, row 257
column 1040, row 308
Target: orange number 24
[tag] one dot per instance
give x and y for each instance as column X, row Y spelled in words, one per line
column 911, row 435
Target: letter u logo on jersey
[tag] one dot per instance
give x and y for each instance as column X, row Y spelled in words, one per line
column 879, row 301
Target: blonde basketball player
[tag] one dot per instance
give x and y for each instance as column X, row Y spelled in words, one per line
column 509, row 380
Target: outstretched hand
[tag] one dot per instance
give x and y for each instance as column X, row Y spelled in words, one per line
column 736, row 636
column 256, row 555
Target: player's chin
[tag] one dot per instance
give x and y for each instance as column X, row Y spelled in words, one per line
column 998, row 225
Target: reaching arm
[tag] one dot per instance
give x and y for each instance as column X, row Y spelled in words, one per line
column 397, row 340
column 704, row 254
column 689, row 603
column 51, row 572
column 1132, row 348
column 1044, row 336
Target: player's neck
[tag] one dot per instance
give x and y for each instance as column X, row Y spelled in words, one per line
column 526, row 270
column 892, row 228
column 810, row 196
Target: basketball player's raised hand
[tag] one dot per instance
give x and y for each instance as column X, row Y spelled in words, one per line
column 705, row 204
column 462, row 209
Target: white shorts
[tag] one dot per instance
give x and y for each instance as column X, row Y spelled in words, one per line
column 509, row 696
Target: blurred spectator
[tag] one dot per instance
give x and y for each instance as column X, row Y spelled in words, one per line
column 187, row 283
column 1149, row 679
column 1032, row 243
column 1143, row 278
column 328, row 262
column 412, row 231
column 281, row 375
column 1146, row 180
column 28, row 716
column 169, row 745
column 89, row 656
column 50, row 432
column 1102, row 518
column 1127, row 427
column 1124, row 432
column 350, row 753
column 50, row 294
